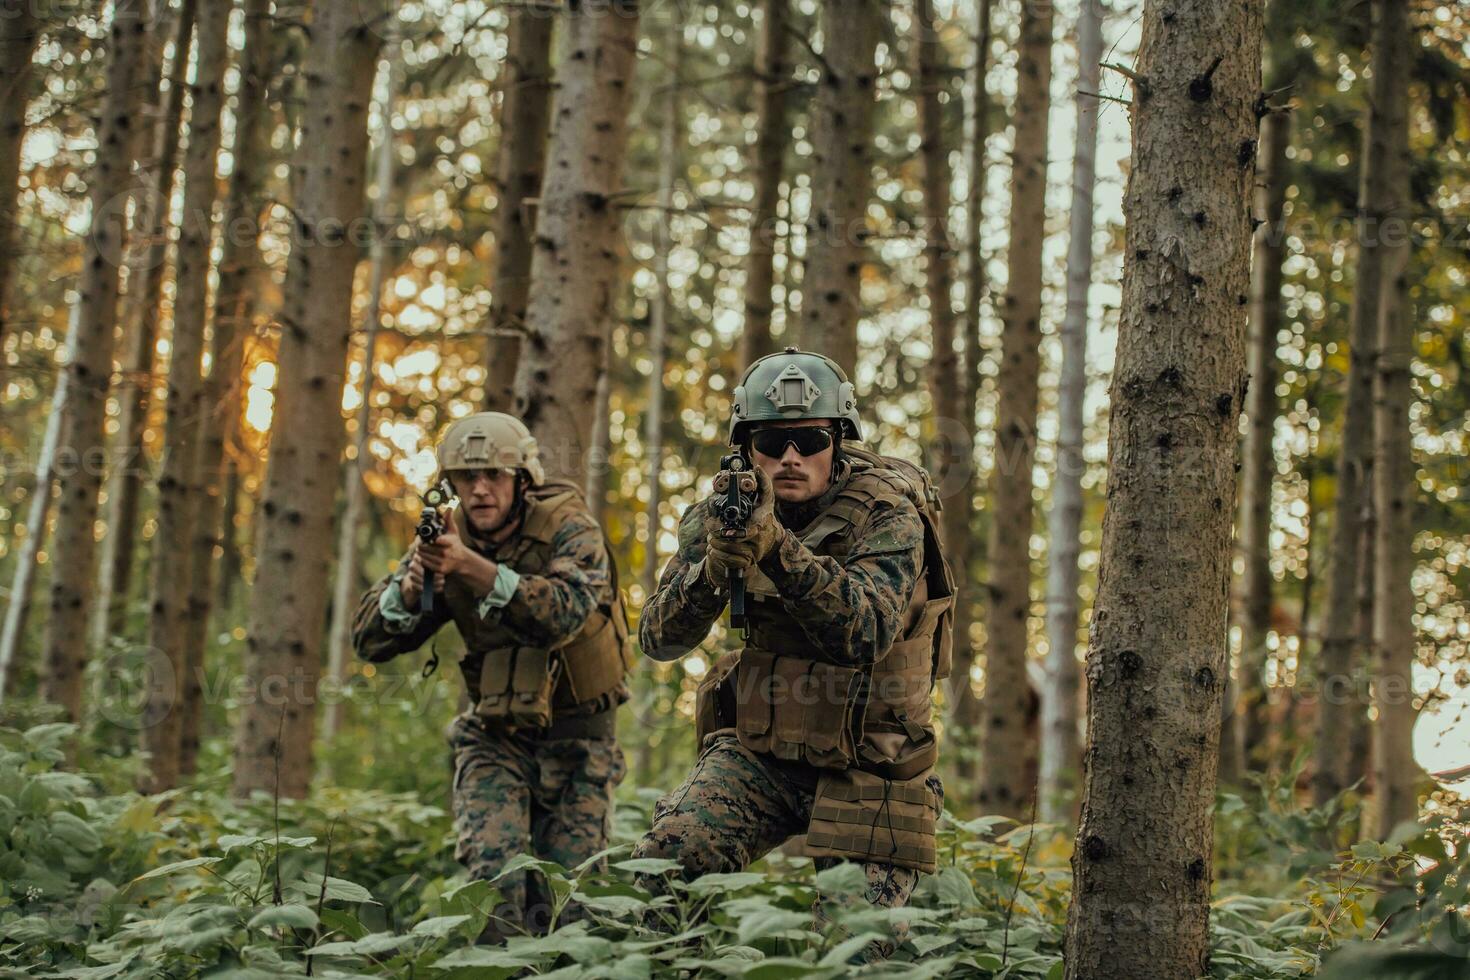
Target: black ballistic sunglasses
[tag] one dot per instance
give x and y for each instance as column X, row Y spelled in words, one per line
column 808, row 440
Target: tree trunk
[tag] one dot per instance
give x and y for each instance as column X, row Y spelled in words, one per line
column 20, row 29
column 964, row 714
column 25, row 566
column 1007, row 752
column 772, row 78
column 842, row 160
column 233, row 312
column 525, row 114
column 1061, row 746
column 83, row 436
column 1344, row 645
column 658, row 329
column 146, row 273
column 346, row 588
column 599, row 456
column 1246, row 726
column 575, row 265
column 288, row 604
column 1156, row 660
column 178, row 486
column 1395, row 488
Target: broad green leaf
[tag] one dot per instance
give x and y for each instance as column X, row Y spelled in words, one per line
column 440, row 926
column 648, row 866
column 721, row 882
column 229, row 842
column 168, row 869
column 338, row 889
column 847, row 878
column 772, row 922
column 292, row 915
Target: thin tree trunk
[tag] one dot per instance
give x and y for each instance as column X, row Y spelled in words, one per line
column 233, row 311
column 20, row 29
column 273, row 744
column 346, row 589
column 174, row 542
column 1156, row 659
column 1061, row 746
column 1344, row 644
column 842, row 159
column 599, row 456
column 83, row 436
column 658, row 330
column 1246, row 709
column 524, row 118
column 1007, row 751
column 230, row 559
column 772, row 78
column 958, row 534
column 1246, row 726
column 1395, row 488
column 25, row 565
column 146, row 274
column 575, row 267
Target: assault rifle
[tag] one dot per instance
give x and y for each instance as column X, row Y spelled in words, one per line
column 431, row 526
column 737, row 487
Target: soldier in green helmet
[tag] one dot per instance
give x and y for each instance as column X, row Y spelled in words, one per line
column 822, row 724
column 524, row 572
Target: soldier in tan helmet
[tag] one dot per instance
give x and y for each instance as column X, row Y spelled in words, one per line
column 524, row 571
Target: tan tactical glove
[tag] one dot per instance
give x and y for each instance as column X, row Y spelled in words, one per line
column 746, row 547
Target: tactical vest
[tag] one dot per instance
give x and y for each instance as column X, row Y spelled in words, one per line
column 870, row 730
column 522, row 686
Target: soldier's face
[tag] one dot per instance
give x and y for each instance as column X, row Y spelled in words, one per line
column 794, row 477
column 485, row 496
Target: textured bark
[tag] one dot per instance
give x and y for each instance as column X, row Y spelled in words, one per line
column 288, row 603
column 524, row 118
column 178, row 485
column 1061, row 745
column 148, row 257
column 1344, row 644
column 575, row 263
column 1395, row 488
column 1007, row 749
column 83, row 437
column 964, row 715
column 1246, row 726
column 842, row 159
column 670, row 136
column 346, row 587
column 1156, row 657
column 20, row 29
column 233, row 311
column 772, row 78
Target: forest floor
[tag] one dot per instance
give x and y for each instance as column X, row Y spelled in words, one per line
column 100, row 882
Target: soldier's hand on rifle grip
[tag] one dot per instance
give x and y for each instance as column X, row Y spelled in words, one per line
column 412, row 583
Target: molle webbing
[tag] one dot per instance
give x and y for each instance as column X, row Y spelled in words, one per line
column 860, row 816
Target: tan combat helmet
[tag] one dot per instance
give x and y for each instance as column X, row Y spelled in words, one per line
column 490, row 441
column 794, row 384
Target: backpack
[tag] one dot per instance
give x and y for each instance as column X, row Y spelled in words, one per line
column 937, row 575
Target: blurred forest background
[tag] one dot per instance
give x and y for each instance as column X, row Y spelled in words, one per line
column 254, row 255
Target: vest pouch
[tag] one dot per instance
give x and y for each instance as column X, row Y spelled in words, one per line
column 592, row 663
column 798, row 710
column 714, row 702
column 859, row 816
column 516, row 686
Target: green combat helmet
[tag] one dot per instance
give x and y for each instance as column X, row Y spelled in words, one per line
column 490, row 441
column 790, row 386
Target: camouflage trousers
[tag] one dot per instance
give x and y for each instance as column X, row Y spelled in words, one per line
column 525, row 794
column 737, row 805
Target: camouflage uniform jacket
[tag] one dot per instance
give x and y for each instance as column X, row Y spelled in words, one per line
column 551, row 603
column 851, row 608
